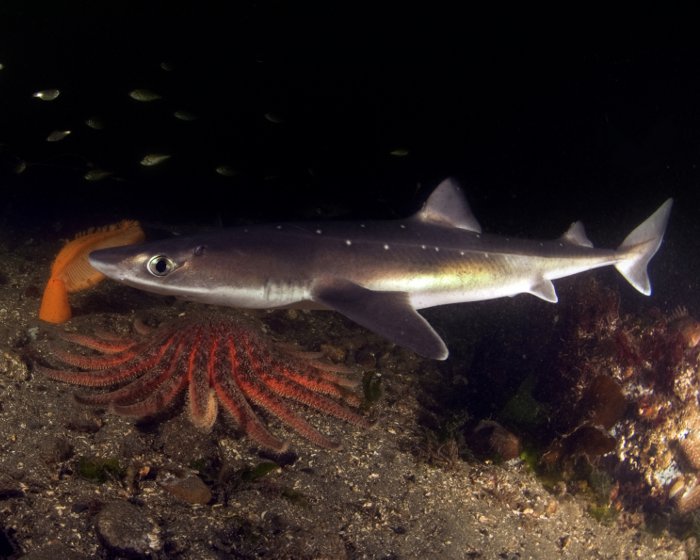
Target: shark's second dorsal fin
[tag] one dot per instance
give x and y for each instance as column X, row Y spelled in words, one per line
column 576, row 235
column 447, row 206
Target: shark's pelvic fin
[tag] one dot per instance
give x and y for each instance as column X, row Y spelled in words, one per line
column 641, row 245
column 388, row 314
column 545, row 290
column 448, row 206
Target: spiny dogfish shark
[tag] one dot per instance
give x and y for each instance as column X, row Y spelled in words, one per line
column 376, row 273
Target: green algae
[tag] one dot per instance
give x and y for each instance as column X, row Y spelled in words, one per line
column 372, row 387
column 99, row 470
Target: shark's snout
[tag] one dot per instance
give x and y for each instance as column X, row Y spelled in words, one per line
column 110, row 261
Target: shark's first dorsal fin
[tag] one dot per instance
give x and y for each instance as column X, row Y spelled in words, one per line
column 576, row 235
column 447, row 206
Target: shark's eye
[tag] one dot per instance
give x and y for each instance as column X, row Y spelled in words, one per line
column 160, row 265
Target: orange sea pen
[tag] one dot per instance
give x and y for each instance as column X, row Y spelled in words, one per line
column 71, row 271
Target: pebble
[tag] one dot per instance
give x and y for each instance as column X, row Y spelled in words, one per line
column 12, row 366
column 334, row 352
column 366, row 358
column 55, row 449
column 86, row 421
column 185, row 486
column 9, row 487
column 125, row 529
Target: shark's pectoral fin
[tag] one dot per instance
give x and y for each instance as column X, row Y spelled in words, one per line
column 389, row 314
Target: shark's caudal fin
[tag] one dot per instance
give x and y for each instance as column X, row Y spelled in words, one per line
column 641, row 245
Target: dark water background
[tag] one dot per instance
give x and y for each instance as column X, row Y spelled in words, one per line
column 543, row 123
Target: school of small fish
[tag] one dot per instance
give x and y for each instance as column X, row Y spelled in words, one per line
column 94, row 171
column 149, row 96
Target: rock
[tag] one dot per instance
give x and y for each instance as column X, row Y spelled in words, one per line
column 185, row 486
column 10, row 487
column 86, row 421
column 125, row 529
column 184, row 445
column 491, row 440
column 12, row 366
column 55, row 449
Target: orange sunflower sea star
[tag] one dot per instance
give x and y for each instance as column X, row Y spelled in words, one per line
column 222, row 362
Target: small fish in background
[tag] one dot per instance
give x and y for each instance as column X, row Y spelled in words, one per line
column 226, row 171
column 399, row 152
column 686, row 326
column 20, row 167
column 274, row 118
column 71, row 272
column 11, row 161
column 97, row 174
column 144, row 95
column 185, row 116
column 167, row 66
column 2, row 66
column 95, row 123
column 46, row 94
column 151, row 160
column 57, row 135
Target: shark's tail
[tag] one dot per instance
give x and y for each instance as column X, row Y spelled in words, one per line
column 641, row 245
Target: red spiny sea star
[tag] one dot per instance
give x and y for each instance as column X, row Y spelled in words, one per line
column 221, row 362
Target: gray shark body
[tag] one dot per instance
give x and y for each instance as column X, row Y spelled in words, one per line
column 377, row 273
